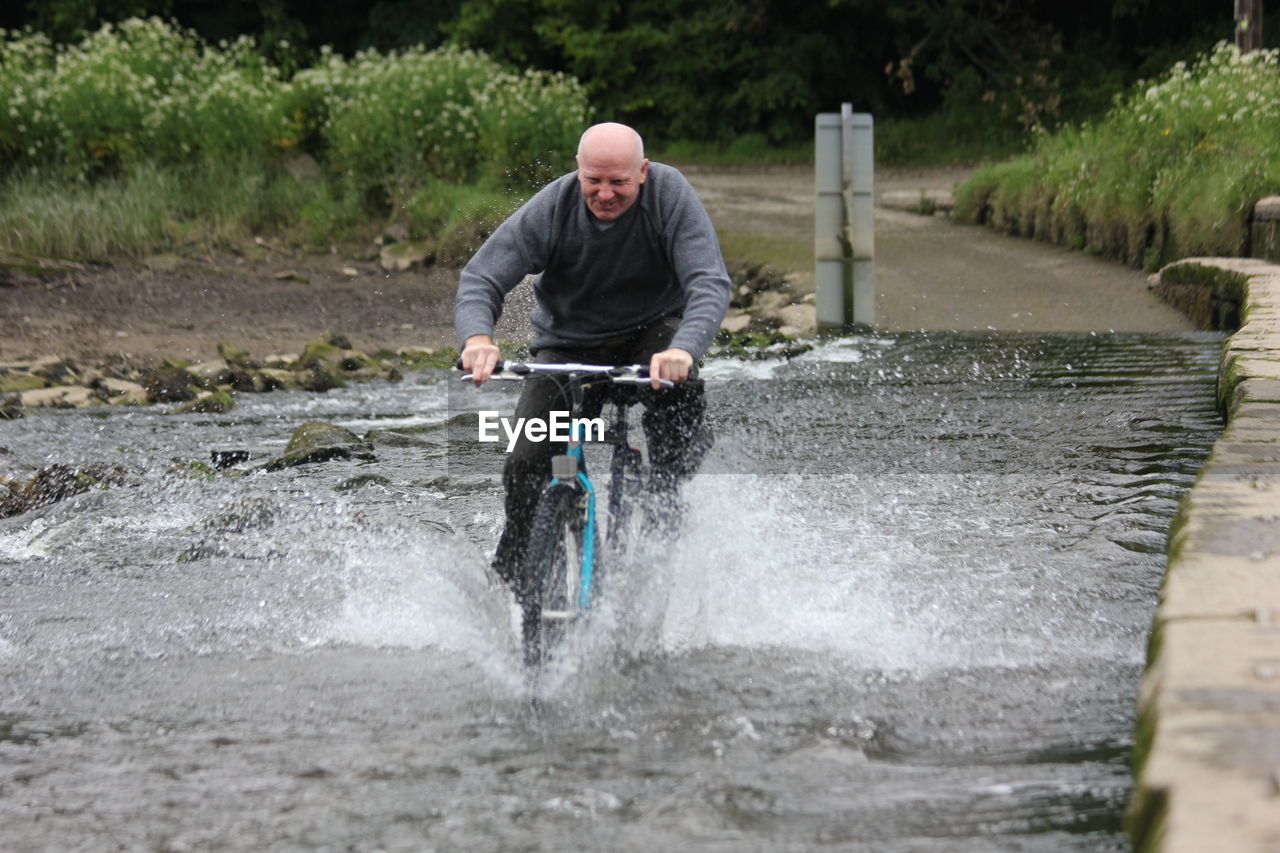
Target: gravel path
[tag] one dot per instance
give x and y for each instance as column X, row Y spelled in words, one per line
column 934, row 274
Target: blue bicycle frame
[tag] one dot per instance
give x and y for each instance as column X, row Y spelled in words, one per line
column 587, row 569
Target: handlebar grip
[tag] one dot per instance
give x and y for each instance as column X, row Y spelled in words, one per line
column 497, row 368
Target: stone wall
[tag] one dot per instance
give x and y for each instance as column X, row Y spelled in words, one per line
column 1208, row 735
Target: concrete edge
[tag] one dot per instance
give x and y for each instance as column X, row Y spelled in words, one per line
column 1207, row 741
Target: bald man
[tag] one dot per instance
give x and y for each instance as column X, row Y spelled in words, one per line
column 627, row 271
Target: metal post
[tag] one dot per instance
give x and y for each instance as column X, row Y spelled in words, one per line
column 860, row 202
column 844, row 220
column 830, row 269
column 1248, row 25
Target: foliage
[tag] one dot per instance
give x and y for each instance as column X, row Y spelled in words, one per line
column 953, row 134
column 684, row 69
column 150, row 209
column 711, row 72
column 138, row 91
column 144, row 107
column 1172, row 170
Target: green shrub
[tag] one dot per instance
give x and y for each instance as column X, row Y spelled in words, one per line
column 137, row 91
column 395, row 121
column 144, row 119
column 458, row 216
column 1173, row 169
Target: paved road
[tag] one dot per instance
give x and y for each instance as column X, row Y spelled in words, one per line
column 934, row 274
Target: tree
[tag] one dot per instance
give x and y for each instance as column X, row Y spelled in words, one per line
column 689, row 69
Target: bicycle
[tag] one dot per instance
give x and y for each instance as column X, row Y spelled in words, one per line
column 564, row 561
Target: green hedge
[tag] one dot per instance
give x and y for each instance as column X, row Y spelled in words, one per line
column 1171, row 171
column 145, row 110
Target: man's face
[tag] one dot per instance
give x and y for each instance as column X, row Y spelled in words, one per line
column 610, row 185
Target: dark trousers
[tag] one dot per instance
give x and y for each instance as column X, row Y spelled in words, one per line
column 673, row 423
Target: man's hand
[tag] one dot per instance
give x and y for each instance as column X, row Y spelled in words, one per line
column 670, row 364
column 479, row 356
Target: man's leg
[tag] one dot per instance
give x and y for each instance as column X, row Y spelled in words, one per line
column 675, row 418
column 523, row 476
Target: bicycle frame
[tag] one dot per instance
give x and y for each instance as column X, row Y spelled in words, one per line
column 571, row 466
column 576, row 471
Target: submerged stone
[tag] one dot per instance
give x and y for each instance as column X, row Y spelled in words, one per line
column 318, row 441
column 359, row 481
column 54, row 483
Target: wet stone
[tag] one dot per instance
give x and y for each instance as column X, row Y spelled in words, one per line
column 317, row 441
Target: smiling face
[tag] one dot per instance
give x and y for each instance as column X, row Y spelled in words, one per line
column 611, row 168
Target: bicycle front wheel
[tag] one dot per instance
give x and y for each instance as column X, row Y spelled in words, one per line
column 552, row 571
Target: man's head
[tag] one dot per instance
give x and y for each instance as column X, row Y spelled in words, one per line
column 611, row 168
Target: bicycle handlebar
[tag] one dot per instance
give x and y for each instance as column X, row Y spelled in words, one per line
column 630, row 374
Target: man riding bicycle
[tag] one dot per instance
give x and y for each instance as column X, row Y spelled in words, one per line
column 628, row 270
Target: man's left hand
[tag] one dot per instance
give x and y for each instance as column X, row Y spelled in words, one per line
column 673, row 364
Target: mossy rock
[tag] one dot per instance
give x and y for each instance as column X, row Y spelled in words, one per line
column 331, row 355
column 318, row 441
column 275, row 379
column 759, row 345
column 194, row 470
column 444, row 358
column 318, row 379
column 318, row 354
column 55, row 483
column 236, row 357
column 354, row 360
column 171, row 384
column 21, row 382
column 207, row 403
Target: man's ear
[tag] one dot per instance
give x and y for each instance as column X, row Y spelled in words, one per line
column 644, row 171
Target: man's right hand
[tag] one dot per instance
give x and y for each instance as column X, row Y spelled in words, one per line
column 479, row 357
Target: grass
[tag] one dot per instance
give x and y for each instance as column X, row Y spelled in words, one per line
column 751, row 149
column 152, row 209
column 1172, row 170
column 950, row 136
column 190, row 209
column 778, row 252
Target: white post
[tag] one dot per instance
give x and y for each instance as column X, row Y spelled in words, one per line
column 844, row 220
column 830, row 269
column 860, row 202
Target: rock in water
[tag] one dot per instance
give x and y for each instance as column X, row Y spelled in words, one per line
column 54, row 483
column 317, row 441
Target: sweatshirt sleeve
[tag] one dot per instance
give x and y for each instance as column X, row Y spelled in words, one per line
column 699, row 265
column 517, row 248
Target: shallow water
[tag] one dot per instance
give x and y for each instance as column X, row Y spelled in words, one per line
column 907, row 612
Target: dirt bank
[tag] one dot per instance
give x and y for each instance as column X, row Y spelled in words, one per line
column 184, row 307
column 931, row 274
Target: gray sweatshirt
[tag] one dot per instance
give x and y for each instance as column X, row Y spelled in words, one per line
column 598, row 279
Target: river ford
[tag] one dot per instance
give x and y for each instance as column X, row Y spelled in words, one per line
column 907, row 612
